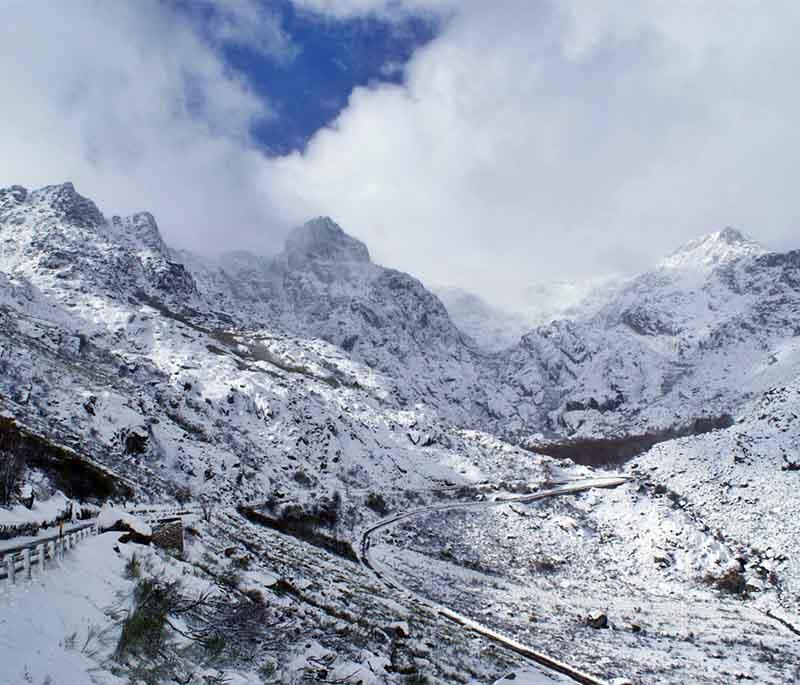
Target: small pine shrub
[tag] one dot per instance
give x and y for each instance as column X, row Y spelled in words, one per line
column 376, row 502
column 144, row 632
column 133, row 568
column 417, row 679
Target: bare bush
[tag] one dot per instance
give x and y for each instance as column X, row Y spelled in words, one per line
column 12, row 472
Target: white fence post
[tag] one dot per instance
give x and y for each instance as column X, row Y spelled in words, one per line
column 47, row 550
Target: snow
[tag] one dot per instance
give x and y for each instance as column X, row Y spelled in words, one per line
column 529, row 677
column 318, row 372
column 48, row 627
column 109, row 516
column 42, row 511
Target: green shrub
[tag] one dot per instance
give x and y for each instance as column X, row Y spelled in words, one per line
column 143, row 632
column 267, row 671
column 417, row 679
column 376, row 502
column 133, row 568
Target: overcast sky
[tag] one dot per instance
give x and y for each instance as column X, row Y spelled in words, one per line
column 515, row 142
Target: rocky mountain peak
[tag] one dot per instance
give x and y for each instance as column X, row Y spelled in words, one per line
column 712, row 250
column 731, row 236
column 68, row 205
column 139, row 231
column 322, row 239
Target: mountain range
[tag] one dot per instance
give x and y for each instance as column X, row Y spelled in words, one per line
column 134, row 371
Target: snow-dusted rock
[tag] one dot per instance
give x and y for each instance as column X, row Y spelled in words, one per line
column 112, row 519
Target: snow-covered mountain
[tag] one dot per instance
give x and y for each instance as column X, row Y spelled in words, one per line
column 709, row 328
column 492, row 328
column 324, row 286
column 317, row 377
column 548, row 301
column 234, row 378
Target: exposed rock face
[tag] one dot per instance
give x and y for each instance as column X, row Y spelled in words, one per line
column 698, row 336
column 323, row 285
column 59, row 241
column 323, row 240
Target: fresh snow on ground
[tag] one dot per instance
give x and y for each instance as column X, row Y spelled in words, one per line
column 53, row 629
column 110, row 516
column 41, row 512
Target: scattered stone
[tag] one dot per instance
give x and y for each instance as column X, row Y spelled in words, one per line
column 402, row 660
column 597, row 619
column 399, row 628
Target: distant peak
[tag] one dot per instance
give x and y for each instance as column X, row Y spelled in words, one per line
column 73, row 207
column 323, row 239
column 712, row 249
column 731, row 236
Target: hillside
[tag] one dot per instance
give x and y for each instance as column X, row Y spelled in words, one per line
column 325, row 391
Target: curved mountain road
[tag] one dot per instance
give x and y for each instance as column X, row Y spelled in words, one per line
column 386, row 577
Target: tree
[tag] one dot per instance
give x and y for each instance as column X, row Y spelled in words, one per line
column 12, row 471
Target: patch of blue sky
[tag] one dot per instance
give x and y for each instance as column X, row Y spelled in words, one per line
column 308, row 83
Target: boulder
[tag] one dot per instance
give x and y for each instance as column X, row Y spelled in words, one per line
column 597, row 619
column 136, row 530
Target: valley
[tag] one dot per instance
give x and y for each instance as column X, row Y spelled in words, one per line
column 339, row 399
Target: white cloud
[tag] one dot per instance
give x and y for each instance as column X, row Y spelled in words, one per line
column 346, row 9
column 530, row 140
column 131, row 104
column 250, row 24
column 537, row 140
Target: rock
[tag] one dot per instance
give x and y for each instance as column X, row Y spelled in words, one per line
column 753, row 584
column 597, row 619
column 135, row 443
column 662, row 558
column 136, row 530
column 402, row 660
column 135, row 538
column 168, row 535
column 399, row 628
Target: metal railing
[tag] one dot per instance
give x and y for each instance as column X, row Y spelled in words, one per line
column 20, row 560
column 16, row 562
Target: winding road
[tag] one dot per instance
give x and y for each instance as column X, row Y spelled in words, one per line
column 386, row 577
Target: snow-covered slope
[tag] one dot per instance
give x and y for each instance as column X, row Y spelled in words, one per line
column 492, row 328
column 323, row 285
column 743, row 482
column 709, row 328
column 712, row 326
column 316, row 372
